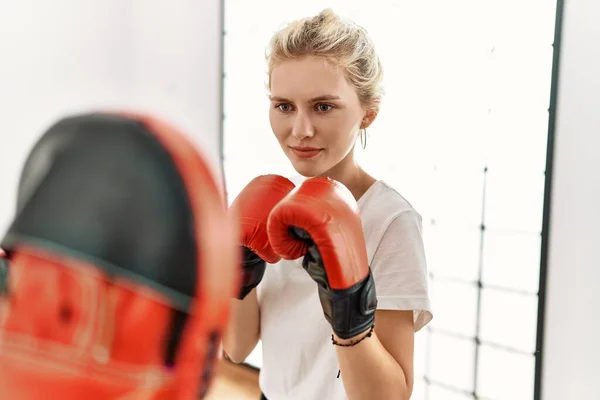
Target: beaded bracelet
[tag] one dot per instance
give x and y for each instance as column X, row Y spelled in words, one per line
column 335, row 342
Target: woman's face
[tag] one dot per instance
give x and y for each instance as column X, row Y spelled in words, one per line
column 315, row 114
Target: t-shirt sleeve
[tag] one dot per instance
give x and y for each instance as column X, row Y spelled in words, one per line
column 399, row 268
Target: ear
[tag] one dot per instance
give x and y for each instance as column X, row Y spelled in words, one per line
column 368, row 119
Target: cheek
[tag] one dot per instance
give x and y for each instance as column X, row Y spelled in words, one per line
column 341, row 131
column 277, row 125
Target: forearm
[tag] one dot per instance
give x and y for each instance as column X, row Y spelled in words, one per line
column 370, row 372
column 243, row 330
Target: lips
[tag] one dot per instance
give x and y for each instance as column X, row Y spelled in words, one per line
column 306, row 152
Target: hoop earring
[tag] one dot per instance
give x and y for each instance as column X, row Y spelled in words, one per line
column 363, row 138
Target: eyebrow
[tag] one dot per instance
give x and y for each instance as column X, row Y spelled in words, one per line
column 325, row 97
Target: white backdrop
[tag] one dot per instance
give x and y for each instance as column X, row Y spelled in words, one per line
column 63, row 56
column 462, row 134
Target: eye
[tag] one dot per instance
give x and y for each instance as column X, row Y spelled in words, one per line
column 284, row 107
column 324, row 107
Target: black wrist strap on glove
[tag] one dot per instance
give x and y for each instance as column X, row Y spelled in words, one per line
column 354, row 342
column 350, row 311
column 253, row 270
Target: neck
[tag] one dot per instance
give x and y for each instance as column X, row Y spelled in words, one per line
column 351, row 175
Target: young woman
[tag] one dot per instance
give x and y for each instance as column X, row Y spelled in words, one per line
column 325, row 90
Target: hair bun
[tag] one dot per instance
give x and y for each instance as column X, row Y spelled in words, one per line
column 326, row 15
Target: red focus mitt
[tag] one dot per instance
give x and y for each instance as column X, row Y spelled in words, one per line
column 120, row 265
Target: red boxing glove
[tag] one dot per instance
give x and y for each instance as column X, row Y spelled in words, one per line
column 319, row 221
column 251, row 208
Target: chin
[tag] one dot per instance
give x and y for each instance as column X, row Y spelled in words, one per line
column 307, row 171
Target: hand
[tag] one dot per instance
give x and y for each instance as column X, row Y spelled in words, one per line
column 251, row 208
column 320, row 222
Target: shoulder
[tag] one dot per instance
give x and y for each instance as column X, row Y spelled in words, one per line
column 384, row 211
column 383, row 202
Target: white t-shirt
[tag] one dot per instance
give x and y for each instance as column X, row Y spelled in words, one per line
column 299, row 361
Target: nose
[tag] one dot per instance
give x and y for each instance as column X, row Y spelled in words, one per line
column 302, row 127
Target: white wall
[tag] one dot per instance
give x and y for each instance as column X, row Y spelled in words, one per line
column 456, row 103
column 65, row 56
column 571, row 368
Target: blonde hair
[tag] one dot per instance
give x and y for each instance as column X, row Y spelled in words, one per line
column 343, row 44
